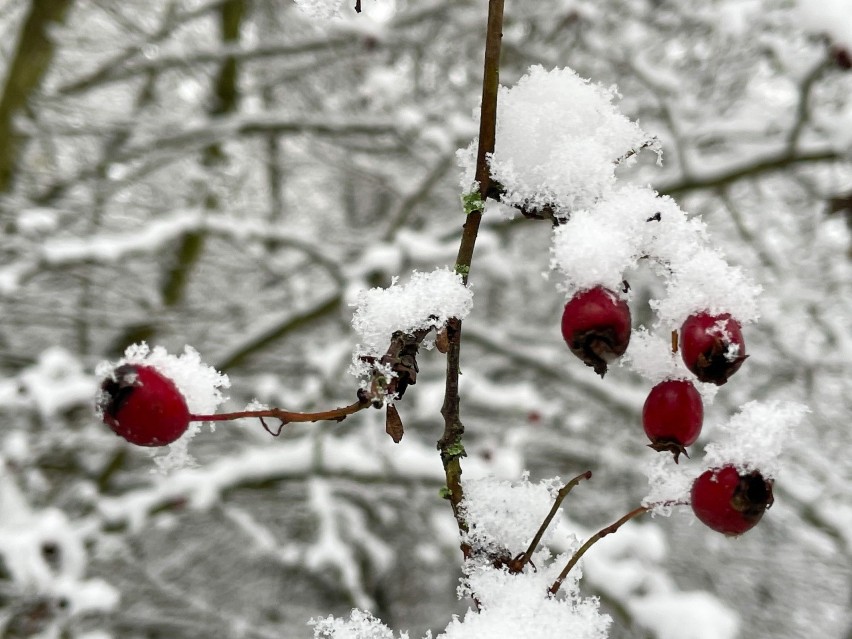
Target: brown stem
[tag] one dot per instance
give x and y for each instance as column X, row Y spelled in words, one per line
column 524, row 559
column 603, row 532
column 336, row 414
column 450, row 444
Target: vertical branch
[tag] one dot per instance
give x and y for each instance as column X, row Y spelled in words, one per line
column 450, row 445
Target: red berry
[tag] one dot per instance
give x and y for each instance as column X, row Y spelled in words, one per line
column 144, row 406
column 712, row 346
column 672, row 416
column 728, row 502
column 596, row 327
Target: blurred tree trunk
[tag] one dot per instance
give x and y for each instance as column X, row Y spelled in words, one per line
column 225, row 101
column 190, row 246
column 28, row 67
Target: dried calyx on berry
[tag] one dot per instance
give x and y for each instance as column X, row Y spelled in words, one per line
column 672, row 416
column 712, row 346
column 730, row 502
column 596, row 327
column 143, row 406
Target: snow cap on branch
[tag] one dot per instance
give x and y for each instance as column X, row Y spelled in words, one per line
column 559, row 140
column 427, row 300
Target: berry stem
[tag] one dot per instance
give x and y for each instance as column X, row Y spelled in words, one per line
column 603, row 532
column 286, row 417
column 524, row 559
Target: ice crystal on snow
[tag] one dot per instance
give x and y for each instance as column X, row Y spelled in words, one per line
column 360, row 625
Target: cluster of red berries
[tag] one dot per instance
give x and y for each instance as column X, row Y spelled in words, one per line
column 596, row 327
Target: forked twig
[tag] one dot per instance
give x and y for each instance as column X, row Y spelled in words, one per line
column 517, row 565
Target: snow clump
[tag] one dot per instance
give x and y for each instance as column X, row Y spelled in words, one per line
column 755, row 437
column 427, row 301
column 559, row 140
column 505, row 516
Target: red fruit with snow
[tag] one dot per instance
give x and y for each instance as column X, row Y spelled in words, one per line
column 143, row 406
column 596, row 327
column 712, row 346
column 729, row 502
column 672, row 416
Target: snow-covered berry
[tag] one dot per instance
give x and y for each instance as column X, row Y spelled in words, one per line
column 712, row 346
column 143, row 406
column 596, row 327
column 729, row 502
column 672, row 416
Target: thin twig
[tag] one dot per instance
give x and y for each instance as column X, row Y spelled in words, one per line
column 603, row 532
column 524, row 559
column 287, row 417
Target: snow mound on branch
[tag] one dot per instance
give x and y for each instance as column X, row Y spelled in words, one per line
column 428, row 300
column 199, row 384
column 505, row 515
column 559, row 140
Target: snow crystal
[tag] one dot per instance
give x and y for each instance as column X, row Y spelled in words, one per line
column 705, row 282
column 755, row 437
column 198, row 383
column 427, row 300
column 559, row 139
column 360, row 625
column 518, row 607
column 651, row 356
column 670, row 484
column 596, row 246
